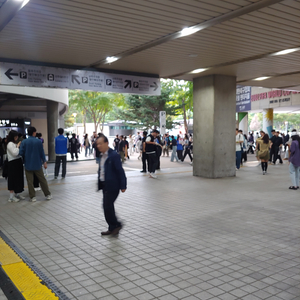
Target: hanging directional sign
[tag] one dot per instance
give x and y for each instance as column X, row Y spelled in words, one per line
column 39, row 76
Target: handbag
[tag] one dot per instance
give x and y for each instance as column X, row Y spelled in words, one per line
column 5, row 169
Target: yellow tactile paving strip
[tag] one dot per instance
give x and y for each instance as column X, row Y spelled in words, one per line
column 26, row 281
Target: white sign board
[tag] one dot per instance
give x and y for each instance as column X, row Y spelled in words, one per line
column 39, row 76
column 162, row 122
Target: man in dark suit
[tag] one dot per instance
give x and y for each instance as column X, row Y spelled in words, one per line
column 111, row 179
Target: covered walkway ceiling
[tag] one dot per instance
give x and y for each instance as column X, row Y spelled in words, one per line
column 233, row 37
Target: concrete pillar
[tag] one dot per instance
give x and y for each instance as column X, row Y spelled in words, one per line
column 268, row 121
column 243, row 122
column 52, row 122
column 214, row 126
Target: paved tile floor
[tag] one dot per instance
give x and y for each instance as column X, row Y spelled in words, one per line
column 184, row 237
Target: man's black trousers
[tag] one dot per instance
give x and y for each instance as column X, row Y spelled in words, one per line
column 272, row 154
column 144, row 159
column 109, row 199
column 277, row 155
column 152, row 161
column 63, row 160
column 74, row 152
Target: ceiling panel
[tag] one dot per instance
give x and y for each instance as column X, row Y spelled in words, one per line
column 82, row 32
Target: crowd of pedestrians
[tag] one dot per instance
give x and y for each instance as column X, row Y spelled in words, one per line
column 19, row 154
column 150, row 147
column 269, row 150
column 27, row 154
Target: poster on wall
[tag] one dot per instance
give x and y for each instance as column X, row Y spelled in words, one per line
column 243, row 98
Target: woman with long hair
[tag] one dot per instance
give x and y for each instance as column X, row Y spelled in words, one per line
column 15, row 179
column 294, row 161
column 263, row 153
column 87, row 145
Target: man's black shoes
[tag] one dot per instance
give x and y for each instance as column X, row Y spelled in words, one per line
column 106, row 232
column 113, row 232
column 116, row 230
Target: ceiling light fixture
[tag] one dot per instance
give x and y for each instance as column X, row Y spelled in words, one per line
column 111, row 59
column 9, row 9
column 286, row 51
column 24, row 3
column 188, row 31
column 262, row 78
column 198, row 71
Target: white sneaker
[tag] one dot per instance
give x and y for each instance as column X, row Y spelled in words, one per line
column 37, row 189
column 49, row 197
column 152, row 175
column 20, row 197
column 13, row 199
column 33, row 199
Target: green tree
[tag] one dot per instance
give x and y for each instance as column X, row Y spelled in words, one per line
column 144, row 110
column 95, row 104
column 279, row 120
column 181, row 98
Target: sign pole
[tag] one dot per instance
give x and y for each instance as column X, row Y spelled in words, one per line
column 162, row 122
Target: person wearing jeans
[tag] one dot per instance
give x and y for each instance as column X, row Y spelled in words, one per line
column 294, row 161
column 174, row 149
column 239, row 140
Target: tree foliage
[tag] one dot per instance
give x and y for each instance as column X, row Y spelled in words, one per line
column 96, row 105
column 144, row 110
column 176, row 99
column 279, row 120
column 181, row 98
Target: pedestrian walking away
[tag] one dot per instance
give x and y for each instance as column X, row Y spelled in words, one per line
column 111, row 179
column 263, row 151
column 34, row 156
column 74, row 146
column 174, row 149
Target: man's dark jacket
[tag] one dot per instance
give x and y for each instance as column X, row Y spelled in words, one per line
column 115, row 178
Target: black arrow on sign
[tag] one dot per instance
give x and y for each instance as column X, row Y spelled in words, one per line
column 155, row 86
column 74, row 78
column 9, row 74
column 128, row 83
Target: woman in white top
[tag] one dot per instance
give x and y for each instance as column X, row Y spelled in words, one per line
column 131, row 143
column 139, row 146
column 15, row 179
